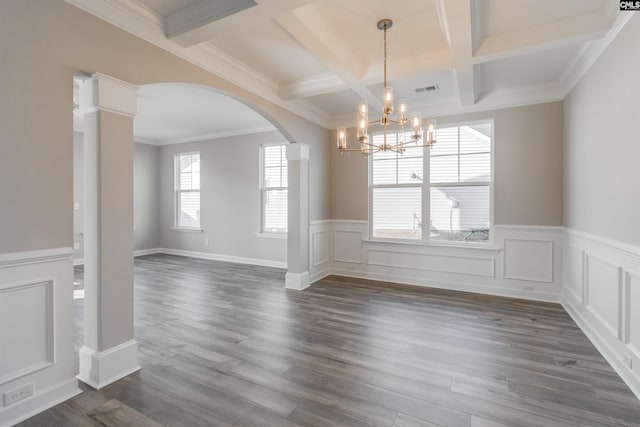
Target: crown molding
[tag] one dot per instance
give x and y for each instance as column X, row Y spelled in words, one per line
column 590, row 54
column 206, row 137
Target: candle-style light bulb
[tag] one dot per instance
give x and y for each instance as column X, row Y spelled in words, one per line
column 342, row 138
column 431, row 132
column 363, row 108
column 388, row 100
column 402, row 106
column 416, row 126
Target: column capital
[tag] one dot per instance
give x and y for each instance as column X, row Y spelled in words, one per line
column 105, row 93
column 298, row 151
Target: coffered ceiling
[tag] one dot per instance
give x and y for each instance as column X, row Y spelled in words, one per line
column 318, row 58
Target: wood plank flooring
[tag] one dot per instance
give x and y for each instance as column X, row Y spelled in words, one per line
column 225, row 345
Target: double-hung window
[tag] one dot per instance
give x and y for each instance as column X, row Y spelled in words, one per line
column 442, row 193
column 274, row 188
column 187, row 185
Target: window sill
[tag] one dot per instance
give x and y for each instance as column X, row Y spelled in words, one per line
column 478, row 246
column 281, row 236
column 188, row 229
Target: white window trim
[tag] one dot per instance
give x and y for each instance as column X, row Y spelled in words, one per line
column 176, row 191
column 262, row 233
column 426, row 192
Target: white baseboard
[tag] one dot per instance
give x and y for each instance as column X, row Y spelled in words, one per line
column 226, row 258
column 40, row 401
column 297, row 281
column 100, row 368
column 143, row 252
column 314, row 277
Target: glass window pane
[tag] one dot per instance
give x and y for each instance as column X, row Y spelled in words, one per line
column 384, row 171
column 275, row 210
column 272, row 177
column 397, row 212
column 446, row 141
column 444, row 168
column 475, row 167
column 409, row 170
column 460, row 213
column 189, row 209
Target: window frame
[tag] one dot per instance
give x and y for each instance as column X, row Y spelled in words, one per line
column 426, row 194
column 263, row 232
column 177, row 192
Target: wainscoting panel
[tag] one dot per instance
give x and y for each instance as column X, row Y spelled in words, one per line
column 603, row 283
column 36, row 331
column 347, row 246
column 526, row 259
column 632, row 308
column 318, row 250
column 474, row 268
column 438, row 263
column 609, row 312
column 31, row 307
column 574, row 272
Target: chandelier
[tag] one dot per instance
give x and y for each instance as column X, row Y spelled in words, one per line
column 362, row 125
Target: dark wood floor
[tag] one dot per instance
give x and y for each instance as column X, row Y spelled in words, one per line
column 225, row 345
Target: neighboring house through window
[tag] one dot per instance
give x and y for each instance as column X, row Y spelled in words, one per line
column 273, row 161
column 187, row 184
column 447, row 187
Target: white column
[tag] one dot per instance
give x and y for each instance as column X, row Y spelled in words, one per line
column 109, row 351
column 297, row 276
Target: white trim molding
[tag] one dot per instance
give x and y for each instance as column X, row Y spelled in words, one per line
column 105, row 93
column 101, row 368
column 37, row 285
column 600, row 295
column 297, row 281
column 226, row 258
column 497, row 269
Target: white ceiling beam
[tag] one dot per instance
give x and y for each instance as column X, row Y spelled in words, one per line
column 456, row 23
column 207, row 20
column 184, row 26
column 544, row 36
column 317, row 36
column 312, row 86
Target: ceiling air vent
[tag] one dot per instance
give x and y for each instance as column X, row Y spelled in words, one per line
column 426, row 89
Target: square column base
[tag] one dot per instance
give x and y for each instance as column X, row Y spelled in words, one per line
column 100, row 368
column 296, row 281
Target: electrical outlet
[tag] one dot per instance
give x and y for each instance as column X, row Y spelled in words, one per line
column 529, row 288
column 206, row 241
column 18, row 394
column 76, row 246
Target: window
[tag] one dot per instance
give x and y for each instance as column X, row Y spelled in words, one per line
column 187, row 186
column 274, row 188
column 455, row 197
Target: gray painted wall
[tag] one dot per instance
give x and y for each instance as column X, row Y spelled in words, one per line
column 230, row 198
column 37, row 210
column 602, row 146
column 528, row 168
column 146, row 196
